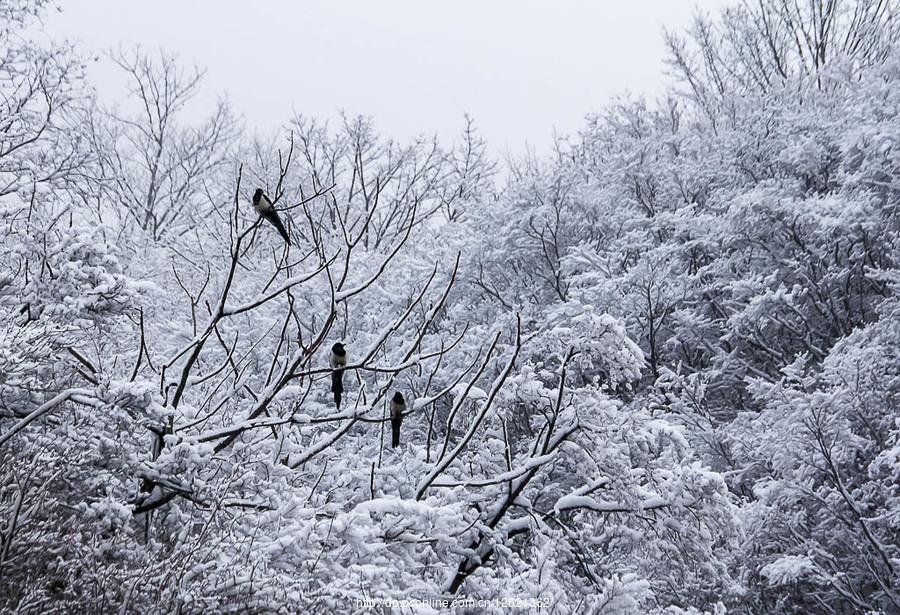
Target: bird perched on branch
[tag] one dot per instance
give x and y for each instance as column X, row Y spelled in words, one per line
column 266, row 209
column 338, row 361
column 398, row 407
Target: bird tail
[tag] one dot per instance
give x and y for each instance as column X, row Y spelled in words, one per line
column 395, row 432
column 276, row 221
column 337, row 385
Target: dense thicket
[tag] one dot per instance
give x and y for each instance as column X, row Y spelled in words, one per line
column 654, row 372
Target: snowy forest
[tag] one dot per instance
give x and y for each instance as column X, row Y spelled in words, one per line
column 655, row 370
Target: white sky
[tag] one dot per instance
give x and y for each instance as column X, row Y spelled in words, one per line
column 525, row 70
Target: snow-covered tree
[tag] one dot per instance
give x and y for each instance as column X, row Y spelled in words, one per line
column 654, row 371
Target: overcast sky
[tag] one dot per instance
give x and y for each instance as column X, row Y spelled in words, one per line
column 523, row 69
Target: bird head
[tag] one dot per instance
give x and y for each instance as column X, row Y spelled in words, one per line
column 398, row 398
column 338, row 349
column 257, row 195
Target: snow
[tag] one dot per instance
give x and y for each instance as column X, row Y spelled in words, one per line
column 473, row 394
column 654, row 371
column 787, row 569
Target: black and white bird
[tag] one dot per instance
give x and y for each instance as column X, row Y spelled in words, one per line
column 398, row 407
column 337, row 361
column 266, row 209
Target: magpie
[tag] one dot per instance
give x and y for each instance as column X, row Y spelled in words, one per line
column 398, row 406
column 266, row 209
column 338, row 361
